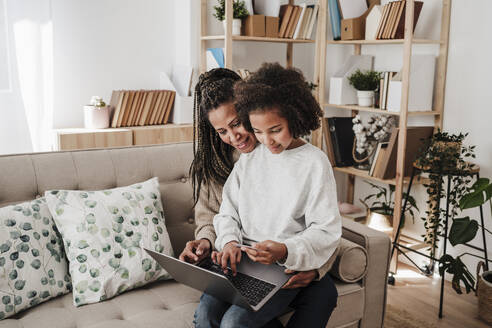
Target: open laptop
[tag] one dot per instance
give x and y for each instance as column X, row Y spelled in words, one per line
column 253, row 285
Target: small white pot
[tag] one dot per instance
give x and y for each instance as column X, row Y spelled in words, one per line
column 236, row 26
column 365, row 98
column 96, row 117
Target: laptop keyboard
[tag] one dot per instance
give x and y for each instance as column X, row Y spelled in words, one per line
column 251, row 288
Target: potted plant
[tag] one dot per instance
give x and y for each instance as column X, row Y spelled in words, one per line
column 366, row 83
column 438, row 160
column 464, row 230
column 381, row 209
column 96, row 114
column 239, row 12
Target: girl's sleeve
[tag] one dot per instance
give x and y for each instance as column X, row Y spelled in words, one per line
column 313, row 247
column 226, row 223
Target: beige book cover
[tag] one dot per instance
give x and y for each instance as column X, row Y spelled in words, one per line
column 169, row 107
column 146, row 108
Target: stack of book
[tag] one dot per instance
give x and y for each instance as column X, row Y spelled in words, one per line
column 141, row 107
column 297, row 22
column 392, row 23
column 383, row 89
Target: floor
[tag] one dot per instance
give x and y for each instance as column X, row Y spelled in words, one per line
column 419, row 296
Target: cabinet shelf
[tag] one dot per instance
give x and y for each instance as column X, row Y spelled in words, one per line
column 365, row 175
column 255, row 39
column 381, row 111
column 390, row 41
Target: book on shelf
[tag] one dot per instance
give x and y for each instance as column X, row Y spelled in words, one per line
column 307, row 18
column 328, row 143
column 378, row 157
column 312, row 21
column 342, row 138
column 384, row 87
column 335, row 19
column 285, row 15
column 293, row 22
column 299, row 23
column 415, row 137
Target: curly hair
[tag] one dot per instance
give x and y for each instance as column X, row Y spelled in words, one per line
column 212, row 162
column 283, row 89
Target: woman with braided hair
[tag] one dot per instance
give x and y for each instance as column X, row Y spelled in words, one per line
column 220, row 138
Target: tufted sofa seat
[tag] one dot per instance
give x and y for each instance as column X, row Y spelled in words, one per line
column 24, row 177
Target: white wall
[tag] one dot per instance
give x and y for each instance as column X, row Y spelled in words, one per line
column 104, row 45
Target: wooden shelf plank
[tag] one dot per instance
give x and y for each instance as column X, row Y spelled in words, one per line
column 365, row 175
column 256, row 39
column 391, row 41
column 380, row 111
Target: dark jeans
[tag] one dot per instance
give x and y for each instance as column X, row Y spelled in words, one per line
column 313, row 304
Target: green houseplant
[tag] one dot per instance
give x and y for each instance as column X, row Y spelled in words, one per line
column 382, row 206
column 366, row 83
column 443, row 154
column 239, row 12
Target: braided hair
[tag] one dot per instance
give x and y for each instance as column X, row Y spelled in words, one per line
column 213, row 161
column 283, row 89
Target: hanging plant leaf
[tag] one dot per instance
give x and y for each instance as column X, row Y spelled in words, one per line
column 481, row 192
column 462, row 231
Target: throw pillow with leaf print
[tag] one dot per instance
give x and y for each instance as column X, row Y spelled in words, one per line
column 33, row 267
column 104, row 233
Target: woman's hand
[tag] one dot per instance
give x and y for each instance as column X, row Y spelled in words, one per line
column 230, row 253
column 301, row 279
column 267, row 252
column 195, row 250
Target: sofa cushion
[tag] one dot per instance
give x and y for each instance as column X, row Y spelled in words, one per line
column 160, row 304
column 104, row 233
column 33, row 267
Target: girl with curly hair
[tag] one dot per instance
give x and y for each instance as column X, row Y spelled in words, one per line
column 280, row 197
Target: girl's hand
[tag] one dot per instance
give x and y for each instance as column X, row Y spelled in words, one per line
column 195, row 250
column 267, row 252
column 230, row 253
column 301, row 279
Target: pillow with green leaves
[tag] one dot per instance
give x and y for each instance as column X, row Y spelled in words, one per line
column 33, row 267
column 104, row 233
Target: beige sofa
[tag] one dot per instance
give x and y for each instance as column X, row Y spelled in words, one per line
column 168, row 303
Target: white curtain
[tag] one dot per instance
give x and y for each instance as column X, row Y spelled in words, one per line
column 28, row 104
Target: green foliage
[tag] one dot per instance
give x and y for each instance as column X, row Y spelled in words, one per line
column 383, row 202
column 459, row 271
column 365, row 81
column 238, row 8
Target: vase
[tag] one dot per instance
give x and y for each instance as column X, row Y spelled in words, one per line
column 365, row 98
column 484, row 293
column 96, row 117
column 236, row 26
column 379, row 221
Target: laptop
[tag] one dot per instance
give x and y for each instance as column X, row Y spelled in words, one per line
column 253, row 285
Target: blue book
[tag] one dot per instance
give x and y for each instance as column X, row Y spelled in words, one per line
column 335, row 19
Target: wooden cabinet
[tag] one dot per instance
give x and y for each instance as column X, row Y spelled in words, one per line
column 80, row 138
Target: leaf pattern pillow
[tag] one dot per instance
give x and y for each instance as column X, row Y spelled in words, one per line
column 33, row 267
column 104, row 233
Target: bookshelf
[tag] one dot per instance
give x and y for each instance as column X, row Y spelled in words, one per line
column 228, row 38
column 436, row 110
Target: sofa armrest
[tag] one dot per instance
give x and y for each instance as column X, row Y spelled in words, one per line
column 378, row 247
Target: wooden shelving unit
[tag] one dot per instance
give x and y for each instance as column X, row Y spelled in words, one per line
column 228, row 38
column 437, row 108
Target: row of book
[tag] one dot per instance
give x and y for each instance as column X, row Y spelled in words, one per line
column 383, row 89
column 392, row 22
column 297, row 21
column 339, row 140
column 141, row 107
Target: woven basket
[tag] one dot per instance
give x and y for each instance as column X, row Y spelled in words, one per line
column 484, row 293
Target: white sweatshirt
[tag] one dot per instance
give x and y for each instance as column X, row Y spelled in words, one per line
column 289, row 198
